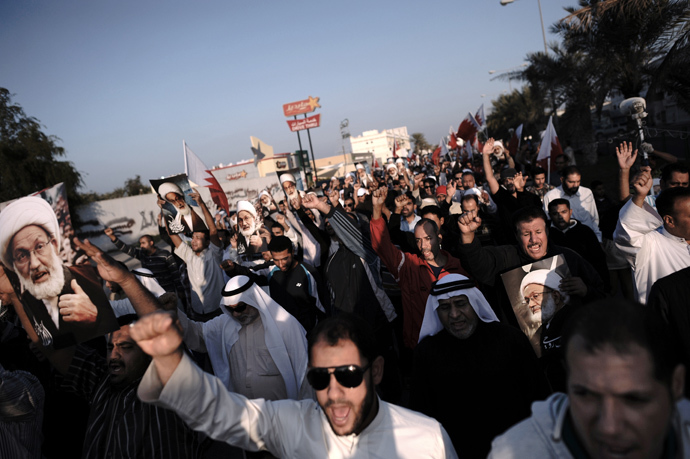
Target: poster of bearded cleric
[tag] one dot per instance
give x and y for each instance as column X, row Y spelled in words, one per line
column 64, row 304
column 181, row 212
column 535, row 294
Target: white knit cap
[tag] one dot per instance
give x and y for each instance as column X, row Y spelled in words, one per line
column 287, row 177
column 169, row 187
column 247, row 206
column 30, row 210
column 545, row 277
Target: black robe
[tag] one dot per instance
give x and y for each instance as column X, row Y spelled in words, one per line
column 477, row 387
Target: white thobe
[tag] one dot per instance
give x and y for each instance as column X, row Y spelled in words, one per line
column 652, row 251
column 205, row 276
column 290, row 428
column 582, row 204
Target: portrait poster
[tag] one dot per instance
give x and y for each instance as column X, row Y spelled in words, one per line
column 64, row 304
column 529, row 315
column 181, row 217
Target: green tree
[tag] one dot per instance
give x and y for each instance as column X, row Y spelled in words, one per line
column 513, row 109
column 29, row 156
column 420, row 142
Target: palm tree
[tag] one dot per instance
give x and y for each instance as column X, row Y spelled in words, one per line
column 516, row 108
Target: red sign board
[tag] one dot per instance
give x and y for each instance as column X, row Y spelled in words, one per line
column 305, row 123
column 301, row 106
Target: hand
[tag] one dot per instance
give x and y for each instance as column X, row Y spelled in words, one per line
column 418, row 179
column 196, row 197
column 334, row 197
column 485, row 197
column 400, row 202
column 233, row 241
column 356, row 187
column 378, row 199
column 5, row 284
column 255, row 240
column 266, row 234
column 643, row 181
column 488, row 147
column 626, row 156
column 450, row 190
column 158, row 334
column 109, row 232
column 77, row 306
column 160, row 201
column 168, row 301
column 108, row 268
column 519, row 182
column 228, row 266
column 296, row 202
column 310, row 201
column 573, row 286
column 468, row 222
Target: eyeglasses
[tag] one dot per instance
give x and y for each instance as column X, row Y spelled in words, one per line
column 349, row 376
column 239, row 309
column 536, row 297
column 21, row 257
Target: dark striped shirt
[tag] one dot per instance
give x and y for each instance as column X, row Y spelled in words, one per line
column 120, row 425
column 21, row 415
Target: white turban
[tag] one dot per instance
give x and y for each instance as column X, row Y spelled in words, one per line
column 546, row 277
column 169, row 187
column 287, row 178
column 498, row 143
column 30, row 210
column 359, row 166
column 247, row 206
column 391, row 166
column 285, row 338
column 450, row 286
column 147, row 279
column 399, row 161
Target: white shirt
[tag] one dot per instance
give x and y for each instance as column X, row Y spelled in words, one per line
column 290, row 429
column 652, row 251
column 582, row 204
column 205, row 276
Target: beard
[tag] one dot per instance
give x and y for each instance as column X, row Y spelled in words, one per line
column 292, row 195
column 184, row 211
column 49, row 288
column 249, row 231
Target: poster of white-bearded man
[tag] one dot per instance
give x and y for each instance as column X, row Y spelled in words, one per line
column 536, row 296
column 181, row 212
column 65, row 304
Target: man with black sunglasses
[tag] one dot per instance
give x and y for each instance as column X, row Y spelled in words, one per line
column 349, row 419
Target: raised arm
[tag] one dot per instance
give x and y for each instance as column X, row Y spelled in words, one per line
column 210, row 221
column 626, row 158
column 488, row 170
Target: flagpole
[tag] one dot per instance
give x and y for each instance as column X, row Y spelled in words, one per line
column 184, row 155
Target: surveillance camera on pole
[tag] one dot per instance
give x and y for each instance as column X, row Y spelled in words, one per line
column 634, row 107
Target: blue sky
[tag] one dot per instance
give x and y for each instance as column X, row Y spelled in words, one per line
column 123, row 83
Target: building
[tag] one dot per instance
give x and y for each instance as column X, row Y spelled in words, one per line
column 380, row 144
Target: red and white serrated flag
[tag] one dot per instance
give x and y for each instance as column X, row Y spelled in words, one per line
column 452, row 141
column 514, row 143
column 468, row 128
column 550, row 146
column 198, row 173
column 480, row 118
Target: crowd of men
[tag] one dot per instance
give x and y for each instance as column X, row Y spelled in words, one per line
column 367, row 317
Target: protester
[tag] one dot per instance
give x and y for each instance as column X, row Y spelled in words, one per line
column 624, row 393
column 463, row 349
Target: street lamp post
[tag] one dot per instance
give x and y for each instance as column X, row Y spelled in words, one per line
column 541, row 19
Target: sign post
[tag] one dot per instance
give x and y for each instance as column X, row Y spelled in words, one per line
column 302, row 107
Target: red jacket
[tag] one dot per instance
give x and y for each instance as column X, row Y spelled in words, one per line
column 414, row 276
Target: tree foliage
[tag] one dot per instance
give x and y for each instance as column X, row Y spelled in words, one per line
column 132, row 187
column 516, row 108
column 29, row 157
column 420, row 142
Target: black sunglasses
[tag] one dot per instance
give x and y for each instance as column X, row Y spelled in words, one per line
column 347, row 376
column 240, row 308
